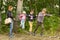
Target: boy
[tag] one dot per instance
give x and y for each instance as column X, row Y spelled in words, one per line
column 40, row 19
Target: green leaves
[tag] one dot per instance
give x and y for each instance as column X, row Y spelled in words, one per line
column 50, row 23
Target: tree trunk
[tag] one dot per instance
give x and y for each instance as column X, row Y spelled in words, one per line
column 19, row 9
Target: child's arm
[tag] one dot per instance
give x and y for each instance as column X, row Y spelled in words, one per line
column 48, row 15
column 35, row 16
column 27, row 15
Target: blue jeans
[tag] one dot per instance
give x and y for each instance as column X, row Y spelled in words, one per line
column 11, row 28
column 22, row 24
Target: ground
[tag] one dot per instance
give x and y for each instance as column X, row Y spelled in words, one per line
column 28, row 37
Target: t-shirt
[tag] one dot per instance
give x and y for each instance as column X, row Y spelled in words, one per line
column 31, row 17
column 40, row 17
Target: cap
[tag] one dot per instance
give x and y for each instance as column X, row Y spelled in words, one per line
column 24, row 12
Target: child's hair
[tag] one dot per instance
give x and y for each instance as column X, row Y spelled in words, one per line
column 44, row 9
column 32, row 10
column 9, row 7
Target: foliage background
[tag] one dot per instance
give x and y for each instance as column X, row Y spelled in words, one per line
column 52, row 24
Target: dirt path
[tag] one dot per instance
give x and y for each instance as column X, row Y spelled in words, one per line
column 28, row 37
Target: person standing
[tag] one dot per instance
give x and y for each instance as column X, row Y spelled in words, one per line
column 40, row 19
column 10, row 15
column 31, row 18
column 22, row 18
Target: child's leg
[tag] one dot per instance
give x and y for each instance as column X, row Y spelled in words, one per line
column 31, row 24
column 23, row 24
column 11, row 28
column 38, row 24
column 42, row 29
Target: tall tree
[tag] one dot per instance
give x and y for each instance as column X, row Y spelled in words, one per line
column 19, row 9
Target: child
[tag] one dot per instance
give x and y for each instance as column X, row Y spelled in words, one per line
column 31, row 18
column 9, row 15
column 22, row 18
column 40, row 19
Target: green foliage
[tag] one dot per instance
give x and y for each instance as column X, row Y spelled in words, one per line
column 51, row 23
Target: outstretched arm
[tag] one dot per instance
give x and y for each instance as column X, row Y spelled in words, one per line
column 48, row 15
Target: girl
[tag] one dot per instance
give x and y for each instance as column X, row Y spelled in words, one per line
column 22, row 18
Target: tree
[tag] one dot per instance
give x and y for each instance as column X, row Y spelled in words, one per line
column 19, row 7
column 19, row 10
